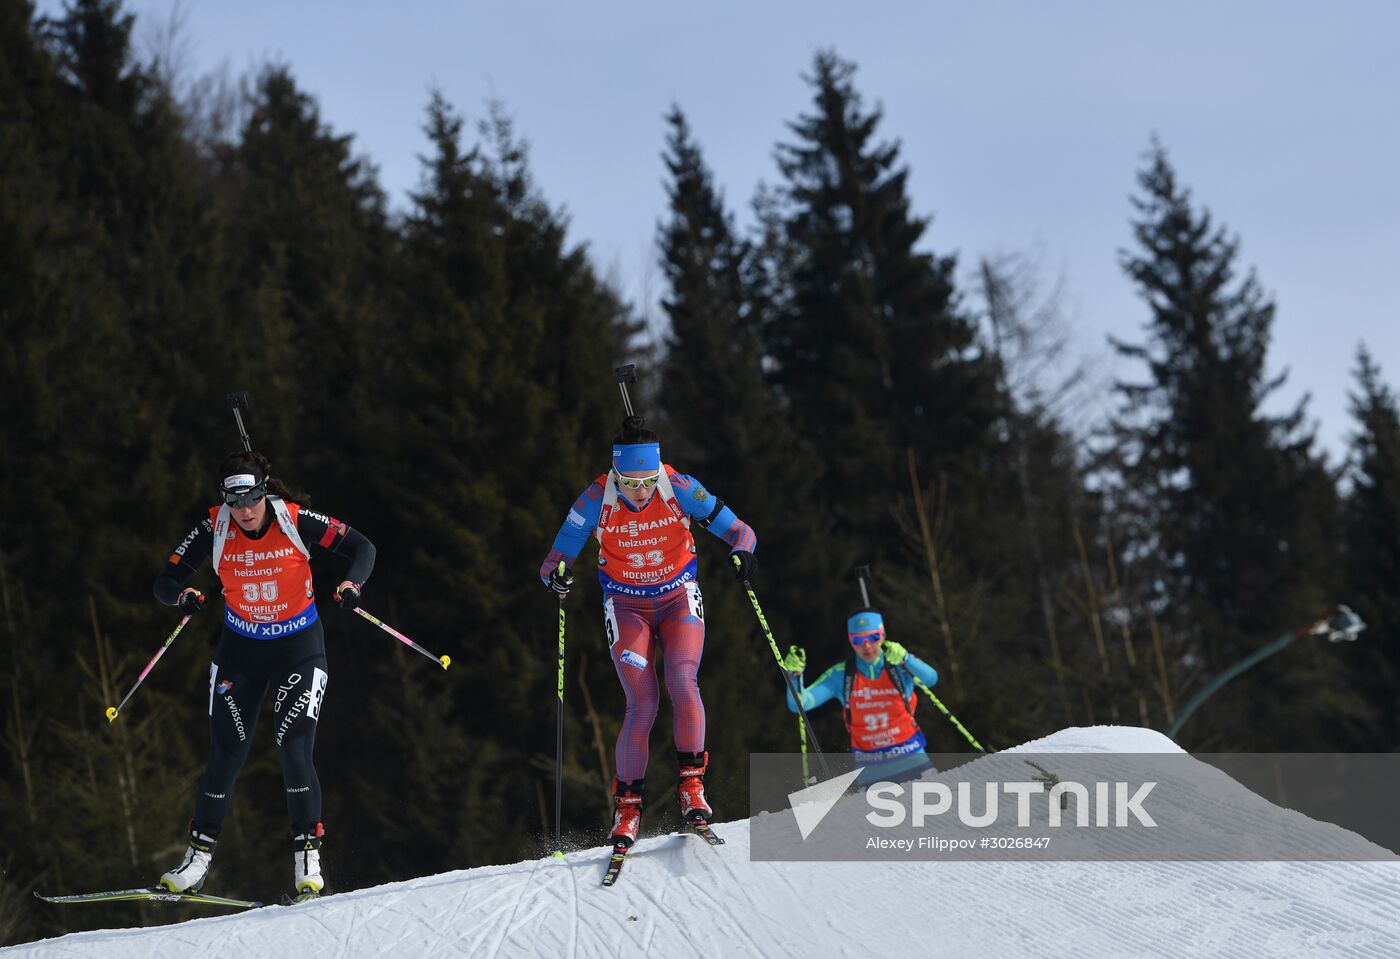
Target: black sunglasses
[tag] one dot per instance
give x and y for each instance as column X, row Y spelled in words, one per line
column 245, row 499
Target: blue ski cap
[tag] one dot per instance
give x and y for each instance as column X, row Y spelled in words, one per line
column 864, row 623
column 633, row 457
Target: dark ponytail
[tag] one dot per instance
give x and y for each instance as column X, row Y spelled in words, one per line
column 633, row 431
column 234, row 462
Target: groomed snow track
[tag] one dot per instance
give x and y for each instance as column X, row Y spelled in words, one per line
column 679, row 897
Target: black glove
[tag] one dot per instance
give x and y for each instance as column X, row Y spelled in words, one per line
column 744, row 564
column 191, row 601
column 347, row 595
column 561, row 581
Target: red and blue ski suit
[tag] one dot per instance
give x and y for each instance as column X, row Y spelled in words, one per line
column 651, row 600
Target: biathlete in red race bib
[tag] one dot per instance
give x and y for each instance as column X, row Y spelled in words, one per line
column 260, row 539
column 875, row 687
column 641, row 512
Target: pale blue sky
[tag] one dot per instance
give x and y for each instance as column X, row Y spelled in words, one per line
column 1023, row 124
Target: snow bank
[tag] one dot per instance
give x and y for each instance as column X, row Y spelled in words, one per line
column 678, row 897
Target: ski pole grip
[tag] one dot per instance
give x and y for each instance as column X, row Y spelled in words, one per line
column 238, row 402
column 623, row 375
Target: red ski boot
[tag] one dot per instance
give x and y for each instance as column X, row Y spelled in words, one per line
column 691, row 787
column 627, row 799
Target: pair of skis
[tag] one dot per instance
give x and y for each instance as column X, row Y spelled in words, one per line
column 618, row 858
column 161, row 894
column 616, row 861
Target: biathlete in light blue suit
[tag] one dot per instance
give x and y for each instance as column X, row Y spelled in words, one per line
column 875, row 687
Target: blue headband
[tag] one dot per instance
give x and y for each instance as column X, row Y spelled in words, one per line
column 865, row 622
column 637, row 456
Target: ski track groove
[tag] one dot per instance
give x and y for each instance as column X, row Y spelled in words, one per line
column 458, row 902
column 782, row 879
column 573, row 928
column 431, row 932
column 725, row 866
column 347, row 933
column 649, row 893
column 356, row 921
column 650, row 937
column 590, row 921
column 313, row 917
column 703, row 891
column 515, row 907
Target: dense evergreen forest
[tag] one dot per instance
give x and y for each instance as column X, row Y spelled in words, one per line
column 439, row 378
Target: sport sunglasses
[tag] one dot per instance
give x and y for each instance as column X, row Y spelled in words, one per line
column 640, row 482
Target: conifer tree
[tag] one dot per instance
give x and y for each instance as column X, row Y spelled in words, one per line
column 98, row 220
column 504, row 350
column 1372, row 530
column 877, row 367
column 1237, row 510
column 868, row 347
column 308, row 249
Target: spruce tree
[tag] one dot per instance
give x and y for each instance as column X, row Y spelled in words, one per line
column 504, row 348
column 308, row 250
column 105, row 269
column 868, row 346
column 1372, row 530
column 1235, row 511
column 876, row 365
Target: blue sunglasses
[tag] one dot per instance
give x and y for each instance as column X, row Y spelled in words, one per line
column 863, row 638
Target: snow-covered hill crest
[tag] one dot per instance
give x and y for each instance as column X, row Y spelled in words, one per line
column 679, row 897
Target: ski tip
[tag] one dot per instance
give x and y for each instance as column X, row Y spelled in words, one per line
column 289, row 900
column 615, row 862
column 705, row 831
column 445, row 660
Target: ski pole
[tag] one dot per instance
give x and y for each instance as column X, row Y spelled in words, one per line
column 559, row 739
column 862, row 574
column 114, row 711
column 802, row 735
column 624, row 375
column 951, row 718
column 443, row 661
column 802, row 738
column 787, row 677
column 238, row 402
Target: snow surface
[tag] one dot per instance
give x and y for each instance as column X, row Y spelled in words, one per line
column 679, row 897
